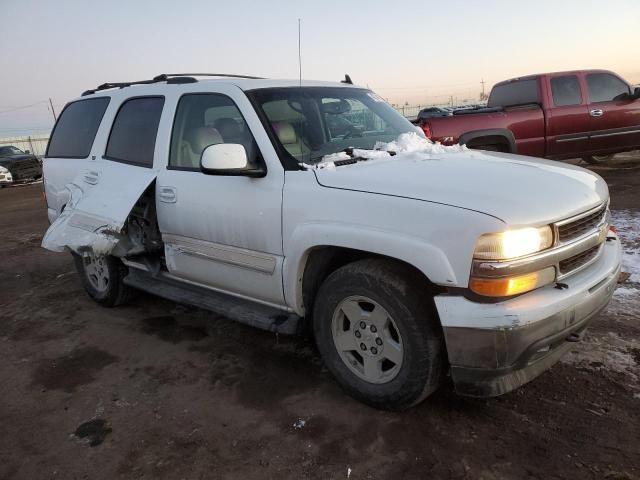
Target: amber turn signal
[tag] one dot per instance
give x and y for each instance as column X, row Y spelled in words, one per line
column 508, row 286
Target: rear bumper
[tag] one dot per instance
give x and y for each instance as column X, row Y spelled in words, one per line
column 495, row 348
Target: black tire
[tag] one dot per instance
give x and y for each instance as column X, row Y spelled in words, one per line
column 116, row 292
column 597, row 159
column 403, row 294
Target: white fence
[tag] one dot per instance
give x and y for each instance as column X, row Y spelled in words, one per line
column 36, row 144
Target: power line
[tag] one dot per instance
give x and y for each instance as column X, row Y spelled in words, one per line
column 22, row 107
column 427, row 87
column 299, row 56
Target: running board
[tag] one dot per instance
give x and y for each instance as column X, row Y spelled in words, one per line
column 238, row 309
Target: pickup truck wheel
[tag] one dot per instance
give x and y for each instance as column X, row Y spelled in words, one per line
column 379, row 335
column 102, row 278
column 597, row 159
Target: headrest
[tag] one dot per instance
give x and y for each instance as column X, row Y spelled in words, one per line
column 201, row 137
column 228, row 128
column 285, row 132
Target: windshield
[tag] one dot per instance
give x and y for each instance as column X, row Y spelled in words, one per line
column 8, row 151
column 312, row 122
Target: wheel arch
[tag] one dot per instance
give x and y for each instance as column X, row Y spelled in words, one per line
column 490, row 136
column 309, row 262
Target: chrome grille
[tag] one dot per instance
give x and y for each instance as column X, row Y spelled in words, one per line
column 571, row 264
column 582, row 225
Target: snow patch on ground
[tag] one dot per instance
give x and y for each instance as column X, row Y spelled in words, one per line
column 299, row 424
column 408, row 145
column 627, row 224
column 609, row 351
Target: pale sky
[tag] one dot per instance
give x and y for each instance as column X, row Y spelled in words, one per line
column 419, row 52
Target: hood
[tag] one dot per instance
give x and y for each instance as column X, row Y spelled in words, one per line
column 518, row 190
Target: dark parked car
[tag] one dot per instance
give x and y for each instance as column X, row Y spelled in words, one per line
column 18, row 166
column 432, row 112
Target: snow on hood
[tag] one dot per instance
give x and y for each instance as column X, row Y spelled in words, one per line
column 516, row 189
column 407, row 145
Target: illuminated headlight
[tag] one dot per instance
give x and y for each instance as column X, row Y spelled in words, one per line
column 513, row 243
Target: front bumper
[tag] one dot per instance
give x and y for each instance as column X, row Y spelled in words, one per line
column 6, row 178
column 495, row 348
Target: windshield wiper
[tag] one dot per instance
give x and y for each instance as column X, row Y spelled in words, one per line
column 356, row 159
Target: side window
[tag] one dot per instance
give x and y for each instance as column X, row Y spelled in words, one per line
column 76, row 128
column 604, row 87
column 566, row 91
column 207, row 119
column 520, row 92
column 133, row 134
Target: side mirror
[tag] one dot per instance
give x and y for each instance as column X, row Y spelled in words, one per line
column 636, row 93
column 27, row 151
column 227, row 159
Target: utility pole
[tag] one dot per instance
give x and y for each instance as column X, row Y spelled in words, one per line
column 483, row 95
column 299, row 57
column 53, row 110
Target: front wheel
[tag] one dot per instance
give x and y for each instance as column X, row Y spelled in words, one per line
column 597, row 159
column 378, row 333
column 102, row 278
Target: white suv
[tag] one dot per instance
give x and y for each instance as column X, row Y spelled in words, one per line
column 283, row 205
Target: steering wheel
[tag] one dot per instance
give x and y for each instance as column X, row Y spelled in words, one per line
column 353, row 132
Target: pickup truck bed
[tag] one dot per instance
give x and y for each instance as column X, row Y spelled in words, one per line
column 554, row 115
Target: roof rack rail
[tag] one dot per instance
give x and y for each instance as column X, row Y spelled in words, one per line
column 165, row 77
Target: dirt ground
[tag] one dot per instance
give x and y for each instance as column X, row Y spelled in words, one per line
column 156, row 390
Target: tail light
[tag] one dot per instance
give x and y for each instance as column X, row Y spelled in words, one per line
column 426, row 128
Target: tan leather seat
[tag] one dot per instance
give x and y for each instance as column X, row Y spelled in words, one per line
column 195, row 141
column 230, row 130
column 290, row 141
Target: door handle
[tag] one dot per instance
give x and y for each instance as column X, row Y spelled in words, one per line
column 167, row 194
column 596, row 113
column 91, row 177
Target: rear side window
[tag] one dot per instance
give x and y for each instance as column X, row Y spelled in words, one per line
column 566, row 91
column 133, row 134
column 76, row 128
column 520, row 92
column 604, row 87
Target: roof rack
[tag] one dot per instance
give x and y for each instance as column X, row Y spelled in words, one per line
column 166, row 77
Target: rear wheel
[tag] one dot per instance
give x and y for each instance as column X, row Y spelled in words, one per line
column 102, row 278
column 597, row 159
column 378, row 333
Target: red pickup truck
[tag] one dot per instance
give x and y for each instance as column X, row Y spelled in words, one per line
column 590, row 114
